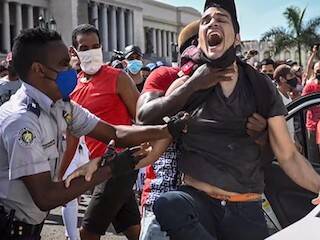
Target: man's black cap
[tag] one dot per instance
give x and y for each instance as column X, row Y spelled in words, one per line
column 227, row 5
column 131, row 49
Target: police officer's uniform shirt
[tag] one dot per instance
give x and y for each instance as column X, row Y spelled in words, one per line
column 32, row 141
column 8, row 88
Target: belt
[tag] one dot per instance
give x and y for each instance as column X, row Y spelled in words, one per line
column 19, row 229
column 245, row 197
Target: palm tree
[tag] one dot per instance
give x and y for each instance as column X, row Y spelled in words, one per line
column 297, row 34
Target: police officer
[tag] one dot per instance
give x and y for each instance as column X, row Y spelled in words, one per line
column 33, row 124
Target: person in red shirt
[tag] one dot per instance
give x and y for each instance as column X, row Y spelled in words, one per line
column 110, row 94
column 313, row 117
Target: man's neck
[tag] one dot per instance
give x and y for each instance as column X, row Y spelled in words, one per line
column 228, row 86
column 284, row 92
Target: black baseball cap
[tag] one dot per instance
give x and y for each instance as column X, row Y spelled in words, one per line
column 131, row 49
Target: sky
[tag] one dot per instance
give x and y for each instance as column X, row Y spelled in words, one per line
column 258, row 16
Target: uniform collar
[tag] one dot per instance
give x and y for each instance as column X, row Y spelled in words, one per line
column 43, row 100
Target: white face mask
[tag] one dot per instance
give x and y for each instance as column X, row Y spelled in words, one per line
column 91, row 60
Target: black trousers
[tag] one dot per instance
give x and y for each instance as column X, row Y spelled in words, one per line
column 189, row 214
column 112, row 202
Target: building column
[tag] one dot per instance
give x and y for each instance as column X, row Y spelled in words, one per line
column 170, row 45
column 122, row 33
column 154, row 40
column 165, row 43
column 105, row 28
column 94, row 15
column 30, row 16
column 6, row 27
column 113, row 28
column 130, row 27
column 175, row 38
column 18, row 18
column 41, row 12
column 159, row 42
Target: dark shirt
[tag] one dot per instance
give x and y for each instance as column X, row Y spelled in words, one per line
column 217, row 149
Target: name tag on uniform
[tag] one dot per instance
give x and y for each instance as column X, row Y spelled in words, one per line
column 49, row 144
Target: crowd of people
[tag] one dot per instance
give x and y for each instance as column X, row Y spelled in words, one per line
column 198, row 131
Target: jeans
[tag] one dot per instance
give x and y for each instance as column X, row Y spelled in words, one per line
column 192, row 214
column 150, row 228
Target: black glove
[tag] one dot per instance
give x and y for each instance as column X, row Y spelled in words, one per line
column 178, row 124
column 120, row 164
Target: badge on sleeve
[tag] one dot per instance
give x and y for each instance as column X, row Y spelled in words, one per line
column 26, row 137
column 67, row 117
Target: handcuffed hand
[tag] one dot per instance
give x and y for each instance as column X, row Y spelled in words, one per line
column 177, row 125
column 256, row 128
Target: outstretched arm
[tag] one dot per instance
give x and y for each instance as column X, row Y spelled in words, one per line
column 290, row 160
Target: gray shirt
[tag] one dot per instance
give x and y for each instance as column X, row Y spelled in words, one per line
column 8, row 88
column 32, row 141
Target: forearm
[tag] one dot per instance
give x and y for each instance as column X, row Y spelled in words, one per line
column 153, row 111
column 158, row 148
column 126, row 136
column 78, row 186
column 309, row 66
column 301, row 172
column 135, row 135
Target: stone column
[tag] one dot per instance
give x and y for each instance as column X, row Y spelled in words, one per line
column 175, row 38
column 18, row 18
column 170, row 45
column 165, row 43
column 41, row 12
column 159, row 42
column 154, row 40
column 94, row 15
column 122, row 33
column 30, row 17
column 105, row 28
column 113, row 28
column 6, row 27
column 130, row 27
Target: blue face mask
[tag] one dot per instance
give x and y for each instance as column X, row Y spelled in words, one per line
column 66, row 81
column 134, row 66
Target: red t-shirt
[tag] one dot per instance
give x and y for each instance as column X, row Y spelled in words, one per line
column 158, row 81
column 313, row 114
column 99, row 96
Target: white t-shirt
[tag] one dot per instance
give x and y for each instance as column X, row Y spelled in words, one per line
column 290, row 123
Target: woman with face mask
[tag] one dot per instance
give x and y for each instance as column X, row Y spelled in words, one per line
column 134, row 64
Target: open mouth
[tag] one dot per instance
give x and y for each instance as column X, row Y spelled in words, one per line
column 214, row 39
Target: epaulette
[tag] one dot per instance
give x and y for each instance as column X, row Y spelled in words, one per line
column 34, row 107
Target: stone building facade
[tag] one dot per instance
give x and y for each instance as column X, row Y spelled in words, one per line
column 152, row 25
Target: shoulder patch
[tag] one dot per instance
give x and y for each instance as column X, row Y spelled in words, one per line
column 67, row 117
column 26, row 137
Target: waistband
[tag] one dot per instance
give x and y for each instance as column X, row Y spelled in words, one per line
column 245, row 197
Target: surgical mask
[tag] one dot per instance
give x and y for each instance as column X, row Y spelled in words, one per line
column 90, row 60
column 293, row 82
column 227, row 59
column 66, row 81
column 134, row 66
column 318, row 76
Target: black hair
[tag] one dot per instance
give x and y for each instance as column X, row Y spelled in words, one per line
column 83, row 29
column 267, row 61
column 29, row 47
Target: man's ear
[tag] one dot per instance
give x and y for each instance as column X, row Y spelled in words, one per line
column 38, row 69
column 237, row 40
